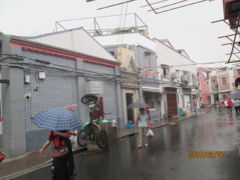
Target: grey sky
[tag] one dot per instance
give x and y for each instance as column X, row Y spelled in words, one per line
column 188, row 28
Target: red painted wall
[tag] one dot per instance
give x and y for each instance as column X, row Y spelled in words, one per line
column 204, row 89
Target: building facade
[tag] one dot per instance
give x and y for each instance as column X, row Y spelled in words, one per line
column 53, row 70
column 217, row 83
column 167, row 77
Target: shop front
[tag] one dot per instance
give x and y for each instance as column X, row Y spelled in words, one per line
column 153, row 97
column 171, row 96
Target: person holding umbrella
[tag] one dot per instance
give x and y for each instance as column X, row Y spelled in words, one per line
column 61, row 169
column 59, row 121
column 143, row 123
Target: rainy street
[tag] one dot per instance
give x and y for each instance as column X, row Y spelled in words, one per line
column 167, row 157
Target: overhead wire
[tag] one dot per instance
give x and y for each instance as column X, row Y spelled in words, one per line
column 190, row 4
column 79, row 72
column 68, row 70
column 58, row 65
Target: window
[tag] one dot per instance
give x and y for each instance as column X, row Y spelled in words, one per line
column 148, row 61
column 224, row 81
column 165, row 71
column 214, row 84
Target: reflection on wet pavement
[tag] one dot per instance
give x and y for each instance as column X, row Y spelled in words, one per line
column 166, row 158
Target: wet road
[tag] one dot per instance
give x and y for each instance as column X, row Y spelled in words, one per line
column 166, row 158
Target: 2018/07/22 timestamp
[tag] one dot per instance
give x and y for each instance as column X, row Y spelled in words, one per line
column 209, row 154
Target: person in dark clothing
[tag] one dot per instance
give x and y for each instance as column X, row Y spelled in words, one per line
column 62, row 168
column 70, row 158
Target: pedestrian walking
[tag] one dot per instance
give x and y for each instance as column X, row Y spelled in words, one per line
column 62, row 167
column 221, row 106
column 236, row 105
column 59, row 121
column 229, row 105
column 225, row 103
column 218, row 105
column 143, row 123
column 66, row 135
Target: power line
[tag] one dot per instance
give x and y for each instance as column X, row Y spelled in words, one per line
column 45, row 65
column 112, row 5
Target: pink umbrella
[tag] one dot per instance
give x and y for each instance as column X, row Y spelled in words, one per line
column 72, row 107
column 1, row 118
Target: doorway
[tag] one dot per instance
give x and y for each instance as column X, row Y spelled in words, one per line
column 130, row 112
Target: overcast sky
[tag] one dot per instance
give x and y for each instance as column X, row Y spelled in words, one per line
column 187, row 28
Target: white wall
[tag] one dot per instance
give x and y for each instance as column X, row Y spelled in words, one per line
column 77, row 40
column 180, row 98
column 129, row 38
column 166, row 55
column 170, row 57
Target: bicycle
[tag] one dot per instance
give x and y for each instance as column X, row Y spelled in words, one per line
column 92, row 130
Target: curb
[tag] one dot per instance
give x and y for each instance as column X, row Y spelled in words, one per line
column 36, row 167
column 165, row 124
column 25, row 171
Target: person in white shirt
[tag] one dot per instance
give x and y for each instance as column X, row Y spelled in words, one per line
column 143, row 123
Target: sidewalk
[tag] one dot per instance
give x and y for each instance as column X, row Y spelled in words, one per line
column 31, row 161
column 156, row 123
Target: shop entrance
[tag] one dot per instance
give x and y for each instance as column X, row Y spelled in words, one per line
column 130, row 112
column 172, row 102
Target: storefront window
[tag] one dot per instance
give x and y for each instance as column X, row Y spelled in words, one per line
column 152, row 99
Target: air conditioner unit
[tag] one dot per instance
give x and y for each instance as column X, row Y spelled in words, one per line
column 185, row 79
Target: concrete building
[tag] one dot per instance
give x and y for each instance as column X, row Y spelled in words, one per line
column 217, row 83
column 129, row 80
column 179, row 76
column 167, row 77
column 205, row 92
column 52, row 70
column 146, row 61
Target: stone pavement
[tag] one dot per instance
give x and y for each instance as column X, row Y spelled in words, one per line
column 31, row 161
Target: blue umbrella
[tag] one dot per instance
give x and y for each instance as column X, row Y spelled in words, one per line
column 138, row 104
column 57, row 119
column 235, row 95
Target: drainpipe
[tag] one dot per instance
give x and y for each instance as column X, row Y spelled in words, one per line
column 119, row 104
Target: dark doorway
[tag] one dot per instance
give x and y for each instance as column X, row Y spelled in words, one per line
column 129, row 100
column 172, row 102
column 216, row 98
